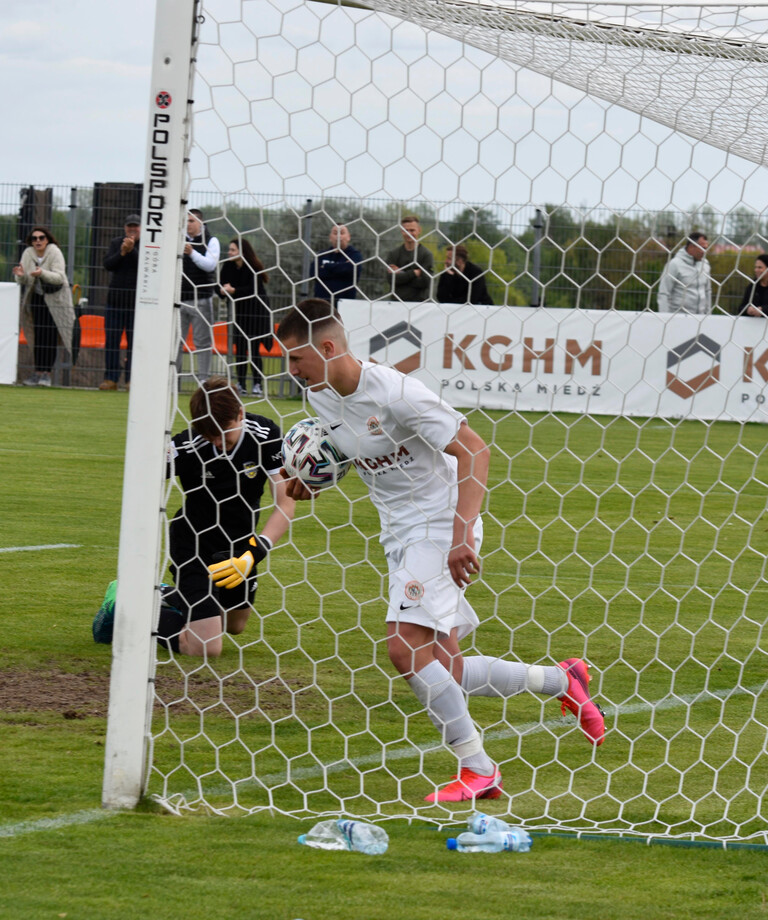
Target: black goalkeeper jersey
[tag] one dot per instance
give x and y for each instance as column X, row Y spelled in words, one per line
column 223, row 491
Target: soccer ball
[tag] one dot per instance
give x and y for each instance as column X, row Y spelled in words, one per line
column 310, row 454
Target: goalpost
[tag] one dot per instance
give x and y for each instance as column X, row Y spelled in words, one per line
column 570, row 147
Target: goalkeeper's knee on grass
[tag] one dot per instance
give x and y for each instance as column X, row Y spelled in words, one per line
column 172, row 620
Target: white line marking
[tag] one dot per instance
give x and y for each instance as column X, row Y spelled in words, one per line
column 53, row 824
column 176, row 803
column 33, row 549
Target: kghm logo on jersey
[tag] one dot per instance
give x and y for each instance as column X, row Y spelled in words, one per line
column 250, row 469
column 393, row 461
column 373, row 425
column 414, row 590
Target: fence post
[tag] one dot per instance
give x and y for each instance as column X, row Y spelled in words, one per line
column 538, row 226
column 306, row 258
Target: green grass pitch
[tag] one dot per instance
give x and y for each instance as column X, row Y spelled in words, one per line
column 639, row 545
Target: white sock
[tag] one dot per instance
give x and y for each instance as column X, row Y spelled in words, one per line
column 446, row 706
column 486, row 676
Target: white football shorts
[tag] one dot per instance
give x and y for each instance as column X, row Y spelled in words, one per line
column 422, row 591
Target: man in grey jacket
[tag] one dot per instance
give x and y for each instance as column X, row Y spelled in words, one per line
column 686, row 285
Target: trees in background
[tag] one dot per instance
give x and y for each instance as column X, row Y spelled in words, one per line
column 591, row 259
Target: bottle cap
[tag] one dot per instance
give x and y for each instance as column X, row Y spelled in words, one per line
column 302, row 838
column 451, row 843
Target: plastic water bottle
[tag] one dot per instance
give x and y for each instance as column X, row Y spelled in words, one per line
column 515, row 839
column 344, row 834
column 480, row 823
column 325, row 835
column 363, row 837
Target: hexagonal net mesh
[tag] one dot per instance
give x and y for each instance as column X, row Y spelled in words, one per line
column 569, row 149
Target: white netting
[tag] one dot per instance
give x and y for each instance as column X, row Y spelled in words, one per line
column 695, row 70
column 569, row 148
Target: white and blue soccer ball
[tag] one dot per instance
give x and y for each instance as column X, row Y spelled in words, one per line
column 310, row 454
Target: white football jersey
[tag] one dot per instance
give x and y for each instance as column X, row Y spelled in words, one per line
column 395, row 430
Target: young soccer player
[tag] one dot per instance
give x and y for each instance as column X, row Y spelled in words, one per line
column 426, row 471
column 223, row 463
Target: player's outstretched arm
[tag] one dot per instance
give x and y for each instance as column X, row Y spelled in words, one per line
column 229, row 573
column 473, row 458
column 283, row 512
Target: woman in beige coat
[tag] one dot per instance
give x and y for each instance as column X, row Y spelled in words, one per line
column 47, row 314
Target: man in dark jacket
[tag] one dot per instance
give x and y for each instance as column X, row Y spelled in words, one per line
column 755, row 300
column 462, row 281
column 122, row 261
column 337, row 269
column 411, row 265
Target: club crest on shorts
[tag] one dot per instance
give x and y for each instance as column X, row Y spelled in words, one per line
column 373, row 425
column 250, row 469
column 414, row 590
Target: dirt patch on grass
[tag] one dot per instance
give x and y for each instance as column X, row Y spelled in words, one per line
column 75, row 696
column 79, row 696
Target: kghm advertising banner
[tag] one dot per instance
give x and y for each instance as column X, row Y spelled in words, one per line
column 586, row 361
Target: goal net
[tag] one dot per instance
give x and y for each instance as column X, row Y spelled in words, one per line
column 570, row 149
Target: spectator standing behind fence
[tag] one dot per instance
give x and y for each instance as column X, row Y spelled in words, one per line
column 462, row 281
column 47, row 314
column 122, row 261
column 242, row 278
column 686, row 285
column 198, row 281
column 411, row 265
column 336, row 269
column 755, row 300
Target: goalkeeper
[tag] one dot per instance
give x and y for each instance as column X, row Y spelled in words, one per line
column 223, row 463
column 426, row 470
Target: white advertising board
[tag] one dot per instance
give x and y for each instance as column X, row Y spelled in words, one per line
column 585, row 361
column 9, row 331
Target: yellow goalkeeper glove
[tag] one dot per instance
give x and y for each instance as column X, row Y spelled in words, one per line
column 232, row 572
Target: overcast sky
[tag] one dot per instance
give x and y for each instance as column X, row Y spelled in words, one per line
column 75, row 78
column 76, row 75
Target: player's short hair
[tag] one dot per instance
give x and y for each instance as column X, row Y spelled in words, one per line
column 213, row 406
column 461, row 251
column 197, row 213
column 309, row 319
column 695, row 237
column 763, row 257
column 410, row 219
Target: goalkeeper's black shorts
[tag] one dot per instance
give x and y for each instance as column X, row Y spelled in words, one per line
column 198, row 597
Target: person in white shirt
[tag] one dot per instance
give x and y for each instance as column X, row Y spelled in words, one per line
column 198, row 282
column 426, row 472
column 686, row 283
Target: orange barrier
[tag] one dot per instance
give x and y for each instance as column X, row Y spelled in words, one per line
column 92, row 336
column 221, row 345
column 91, row 333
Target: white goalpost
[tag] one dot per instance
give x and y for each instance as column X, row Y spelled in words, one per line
column 150, row 409
column 570, row 149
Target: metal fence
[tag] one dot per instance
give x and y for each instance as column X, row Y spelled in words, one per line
column 553, row 256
